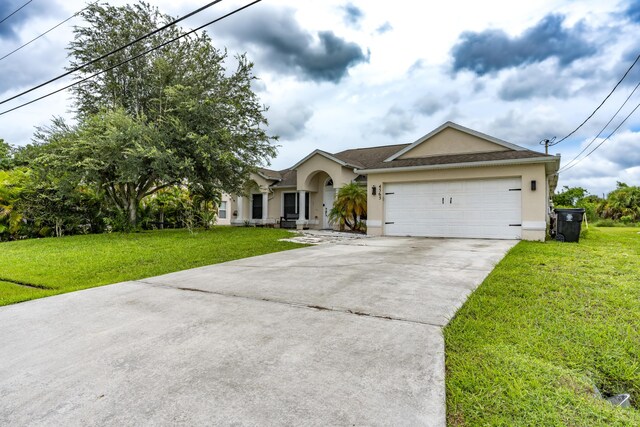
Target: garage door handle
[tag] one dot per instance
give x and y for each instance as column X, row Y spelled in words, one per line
column 450, row 200
column 389, row 222
column 443, row 200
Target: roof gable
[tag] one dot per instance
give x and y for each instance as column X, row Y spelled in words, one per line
column 326, row 155
column 453, row 139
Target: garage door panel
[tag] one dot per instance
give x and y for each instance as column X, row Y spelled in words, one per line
column 474, row 208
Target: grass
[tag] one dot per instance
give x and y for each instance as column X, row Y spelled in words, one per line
column 78, row 262
column 550, row 322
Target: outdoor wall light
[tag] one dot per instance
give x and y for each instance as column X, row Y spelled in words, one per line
column 373, row 190
column 533, row 185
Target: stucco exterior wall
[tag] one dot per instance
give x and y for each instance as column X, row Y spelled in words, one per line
column 534, row 203
column 306, row 173
column 229, row 200
column 451, row 141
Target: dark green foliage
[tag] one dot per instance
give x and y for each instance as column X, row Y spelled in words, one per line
column 176, row 117
column 6, row 155
column 350, row 205
column 622, row 204
column 569, row 196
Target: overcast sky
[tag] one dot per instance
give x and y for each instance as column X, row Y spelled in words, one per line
column 347, row 74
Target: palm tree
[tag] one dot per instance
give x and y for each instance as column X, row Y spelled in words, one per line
column 349, row 206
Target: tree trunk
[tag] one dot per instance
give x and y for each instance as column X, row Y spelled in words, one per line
column 58, row 227
column 133, row 212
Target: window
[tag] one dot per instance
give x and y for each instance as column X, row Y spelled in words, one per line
column 256, row 206
column 222, row 210
column 290, row 206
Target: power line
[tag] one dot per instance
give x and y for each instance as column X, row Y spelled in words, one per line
column 14, row 12
column 601, row 130
column 606, row 139
column 93, row 61
column 601, row 104
column 132, row 58
column 44, row 34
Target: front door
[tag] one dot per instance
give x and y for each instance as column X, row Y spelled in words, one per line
column 327, row 203
column 256, row 206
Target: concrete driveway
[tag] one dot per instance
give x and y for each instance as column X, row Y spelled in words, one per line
column 338, row 334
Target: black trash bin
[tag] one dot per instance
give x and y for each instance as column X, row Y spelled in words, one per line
column 568, row 222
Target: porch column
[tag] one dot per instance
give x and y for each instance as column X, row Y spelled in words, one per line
column 240, row 208
column 301, row 206
column 302, row 220
column 265, row 206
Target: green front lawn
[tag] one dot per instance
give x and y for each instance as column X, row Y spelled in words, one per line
column 78, row 262
column 547, row 324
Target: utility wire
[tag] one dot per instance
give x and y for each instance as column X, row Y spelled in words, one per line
column 93, row 61
column 44, row 34
column 601, row 130
column 15, row 11
column 601, row 104
column 132, row 58
column 606, row 139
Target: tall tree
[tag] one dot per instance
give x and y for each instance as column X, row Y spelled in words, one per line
column 174, row 116
column 6, row 155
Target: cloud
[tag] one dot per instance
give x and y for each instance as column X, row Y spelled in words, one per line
column 494, row 50
column 352, row 15
column 384, row 28
column 290, row 123
column 397, row 122
column 622, row 149
column 284, row 46
column 526, row 128
column 8, row 29
column 633, row 11
column 535, row 82
column 618, row 159
column 428, row 105
column 621, row 67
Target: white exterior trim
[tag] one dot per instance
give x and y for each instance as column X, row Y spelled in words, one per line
column 459, row 165
column 461, row 129
column 324, row 154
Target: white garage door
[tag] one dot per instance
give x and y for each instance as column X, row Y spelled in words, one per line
column 475, row 209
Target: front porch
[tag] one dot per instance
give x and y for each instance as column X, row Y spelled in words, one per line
column 287, row 206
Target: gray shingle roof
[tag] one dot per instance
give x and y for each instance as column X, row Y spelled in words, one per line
column 269, row 173
column 289, row 178
column 459, row 158
column 374, row 158
column 365, row 158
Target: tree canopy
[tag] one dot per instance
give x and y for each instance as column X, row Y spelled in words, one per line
column 569, row 196
column 622, row 204
column 176, row 116
column 6, row 157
